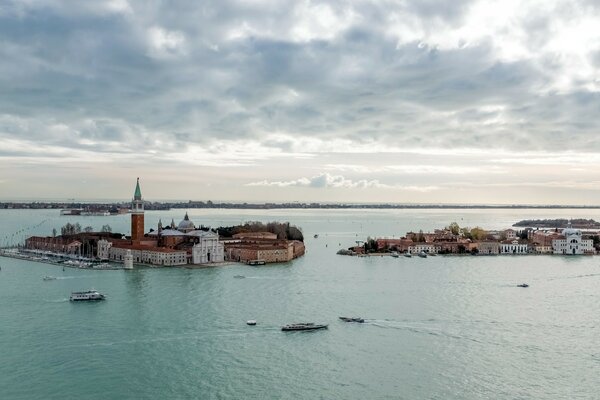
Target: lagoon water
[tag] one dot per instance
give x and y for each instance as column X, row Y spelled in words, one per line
column 437, row 328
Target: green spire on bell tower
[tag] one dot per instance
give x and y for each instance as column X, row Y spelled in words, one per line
column 138, row 192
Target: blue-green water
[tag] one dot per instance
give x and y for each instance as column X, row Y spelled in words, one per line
column 437, row 328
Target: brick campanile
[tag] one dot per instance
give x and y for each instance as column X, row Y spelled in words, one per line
column 137, row 214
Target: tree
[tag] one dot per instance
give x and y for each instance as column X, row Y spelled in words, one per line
column 106, row 228
column 53, row 232
column 70, row 229
column 454, row 228
column 88, row 229
column 477, row 233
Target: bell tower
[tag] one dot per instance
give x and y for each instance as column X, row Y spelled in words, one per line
column 137, row 214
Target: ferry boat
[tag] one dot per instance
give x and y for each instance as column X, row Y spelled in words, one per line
column 90, row 295
column 303, row 326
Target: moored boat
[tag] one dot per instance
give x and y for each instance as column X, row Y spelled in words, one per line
column 303, row 326
column 407, row 255
column 90, row 295
column 423, row 254
column 353, row 319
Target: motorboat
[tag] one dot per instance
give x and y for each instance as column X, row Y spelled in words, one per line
column 256, row 262
column 408, row 255
column 251, row 322
column 394, row 254
column 49, row 278
column 239, row 276
column 523, row 285
column 90, row 295
column 352, row 319
column 423, row 254
column 303, row 326
column 316, row 236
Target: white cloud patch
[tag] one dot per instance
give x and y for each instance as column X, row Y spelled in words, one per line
column 164, row 43
column 326, row 180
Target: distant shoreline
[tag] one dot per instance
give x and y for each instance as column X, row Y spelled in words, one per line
column 38, row 205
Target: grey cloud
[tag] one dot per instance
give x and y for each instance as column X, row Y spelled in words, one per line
column 72, row 63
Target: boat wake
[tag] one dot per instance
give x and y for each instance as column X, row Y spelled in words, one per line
column 65, row 300
column 573, row 277
column 192, row 336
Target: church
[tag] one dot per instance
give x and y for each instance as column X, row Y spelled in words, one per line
column 166, row 246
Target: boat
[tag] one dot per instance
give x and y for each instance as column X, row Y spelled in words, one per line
column 523, row 285
column 90, row 295
column 49, row 278
column 303, row 326
column 316, row 236
column 256, row 262
column 394, row 254
column 239, row 276
column 352, row 319
column 251, row 322
column 407, row 255
column 423, row 254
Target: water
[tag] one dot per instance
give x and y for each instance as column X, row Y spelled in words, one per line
column 437, row 328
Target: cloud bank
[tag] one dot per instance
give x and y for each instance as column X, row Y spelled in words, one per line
column 235, row 83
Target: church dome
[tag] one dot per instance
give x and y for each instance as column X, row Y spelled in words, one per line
column 186, row 225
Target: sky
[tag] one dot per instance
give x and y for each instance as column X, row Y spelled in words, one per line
column 430, row 101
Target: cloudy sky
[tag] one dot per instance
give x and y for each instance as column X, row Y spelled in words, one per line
column 437, row 101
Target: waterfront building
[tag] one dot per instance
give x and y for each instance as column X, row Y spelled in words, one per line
column 513, row 247
column 207, row 247
column 416, row 248
column 488, row 247
column 267, row 250
column 572, row 243
column 65, row 245
column 510, row 234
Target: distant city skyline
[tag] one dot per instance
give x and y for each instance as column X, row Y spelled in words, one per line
column 452, row 102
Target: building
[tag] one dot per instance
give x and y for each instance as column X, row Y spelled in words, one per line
column 268, row 250
column 513, row 247
column 572, row 243
column 488, row 247
column 416, row 248
column 207, row 247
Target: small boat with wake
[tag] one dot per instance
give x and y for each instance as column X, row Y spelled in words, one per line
column 523, row 285
column 90, row 295
column 353, row 319
column 239, row 276
column 49, row 278
column 303, row 326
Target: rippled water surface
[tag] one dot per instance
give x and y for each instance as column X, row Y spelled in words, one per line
column 436, row 328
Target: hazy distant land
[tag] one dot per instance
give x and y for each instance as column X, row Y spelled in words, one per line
column 165, row 205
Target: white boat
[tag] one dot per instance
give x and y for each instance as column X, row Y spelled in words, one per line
column 423, row 254
column 251, row 322
column 90, row 295
column 394, row 254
